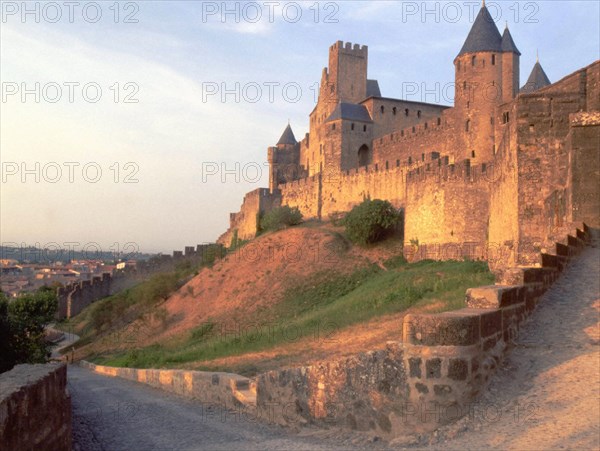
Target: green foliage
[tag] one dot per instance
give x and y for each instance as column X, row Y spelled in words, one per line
column 280, row 218
column 201, row 332
column 236, row 242
column 371, row 221
column 212, row 253
column 22, row 323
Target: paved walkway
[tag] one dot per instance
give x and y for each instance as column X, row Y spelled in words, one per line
column 117, row 414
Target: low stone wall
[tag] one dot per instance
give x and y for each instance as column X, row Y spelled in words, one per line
column 224, row 389
column 35, row 408
column 451, row 356
column 367, row 392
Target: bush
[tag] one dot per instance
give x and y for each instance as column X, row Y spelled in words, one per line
column 371, row 221
column 22, row 324
column 280, row 217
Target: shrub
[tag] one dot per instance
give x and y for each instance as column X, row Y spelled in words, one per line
column 22, row 324
column 371, row 221
column 280, row 217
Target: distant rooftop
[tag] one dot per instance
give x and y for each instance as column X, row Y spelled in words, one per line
column 351, row 112
column 537, row 80
column 287, row 137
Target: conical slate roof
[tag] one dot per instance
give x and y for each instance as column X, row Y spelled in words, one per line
column 537, row 80
column 484, row 35
column 287, row 137
column 508, row 45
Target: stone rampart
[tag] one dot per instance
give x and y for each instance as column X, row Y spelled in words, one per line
column 35, row 408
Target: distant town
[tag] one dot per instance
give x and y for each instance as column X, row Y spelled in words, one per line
column 25, row 270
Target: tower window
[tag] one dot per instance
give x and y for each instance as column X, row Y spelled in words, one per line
column 394, row 111
column 352, row 127
column 464, row 85
column 493, row 60
column 472, row 154
column 333, row 127
column 468, row 125
column 458, row 65
column 382, row 109
column 406, row 112
column 419, row 113
column 425, row 125
column 321, row 149
column 439, row 121
column 492, row 120
column 409, row 160
column 364, row 128
column 473, row 60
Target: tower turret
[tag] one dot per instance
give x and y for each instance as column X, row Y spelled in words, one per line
column 486, row 71
column 537, row 79
column 283, row 159
column 510, row 67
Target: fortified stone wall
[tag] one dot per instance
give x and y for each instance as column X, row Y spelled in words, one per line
column 73, row 298
column 547, row 134
column 447, row 211
column 408, row 145
column 246, row 222
column 390, row 115
column 303, row 194
column 35, row 408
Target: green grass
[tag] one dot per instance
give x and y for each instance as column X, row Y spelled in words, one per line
column 326, row 302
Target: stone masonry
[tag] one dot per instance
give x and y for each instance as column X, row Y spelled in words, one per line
column 501, row 175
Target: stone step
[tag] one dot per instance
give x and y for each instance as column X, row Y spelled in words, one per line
column 244, row 390
column 246, row 397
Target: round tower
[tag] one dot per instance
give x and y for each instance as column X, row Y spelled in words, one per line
column 484, row 79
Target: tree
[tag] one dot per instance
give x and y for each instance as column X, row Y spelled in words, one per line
column 22, row 324
column 371, row 221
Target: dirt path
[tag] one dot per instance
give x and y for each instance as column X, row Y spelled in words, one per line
column 546, row 395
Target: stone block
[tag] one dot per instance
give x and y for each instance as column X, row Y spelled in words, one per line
column 433, row 368
column 491, row 322
column 458, row 369
column 457, row 328
column 414, row 364
column 493, row 296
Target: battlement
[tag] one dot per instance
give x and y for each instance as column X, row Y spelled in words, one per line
column 348, row 48
column 74, row 297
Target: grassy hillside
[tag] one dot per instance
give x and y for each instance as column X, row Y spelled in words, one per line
column 231, row 316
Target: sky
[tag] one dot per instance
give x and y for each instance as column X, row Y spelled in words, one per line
column 141, row 125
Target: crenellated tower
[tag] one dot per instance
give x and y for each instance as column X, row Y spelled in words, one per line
column 344, row 81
